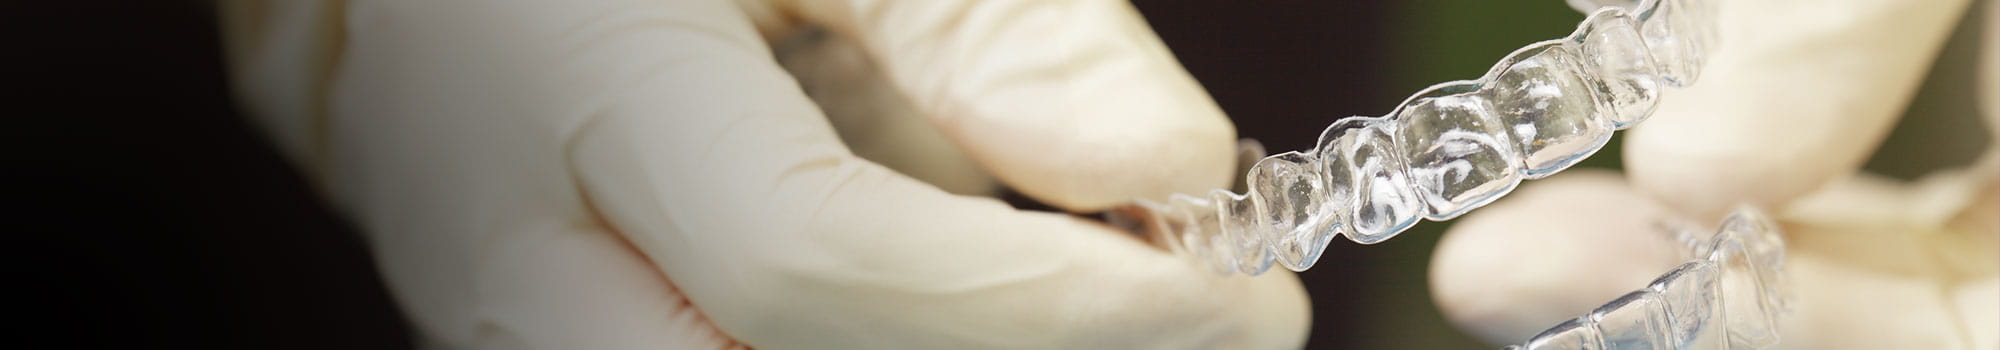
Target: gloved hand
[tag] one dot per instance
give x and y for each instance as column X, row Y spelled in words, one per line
column 643, row 173
column 1796, row 99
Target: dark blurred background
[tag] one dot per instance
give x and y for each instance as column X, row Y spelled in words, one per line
column 148, row 214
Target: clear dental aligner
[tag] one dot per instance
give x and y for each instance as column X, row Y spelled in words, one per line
column 1727, row 296
column 1450, row 148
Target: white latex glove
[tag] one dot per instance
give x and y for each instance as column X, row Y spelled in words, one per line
column 1796, row 99
column 643, row 173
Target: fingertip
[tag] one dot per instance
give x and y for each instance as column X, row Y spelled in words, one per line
column 1703, row 183
column 1077, row 104
column 1086, row 143
column 1280, row 311
column 1551, row 252
column 1786, row 103
column 1114, row 163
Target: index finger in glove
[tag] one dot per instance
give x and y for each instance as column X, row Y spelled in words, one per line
column 1076, row 103
column 1787, row 102
column 718, row 168
column 1554, row 250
